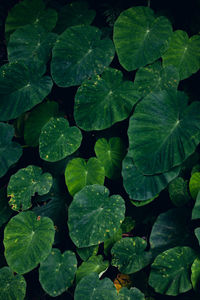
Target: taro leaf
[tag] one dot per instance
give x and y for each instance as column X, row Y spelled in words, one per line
column 110, row 154
column 10, row 152
column 21, row 88
column 107, row 97
column 28, row 241
column 144, row 187
column 57, row 271
column 155, row 78
column 58, row 140
column 183, row 53
column 11, row 286
column 195, row 276
column 31, row 43
column 25, row 183
column 74, row 13
column 197, row 233
column 196, row 208
column 163, row 131
column 37, row 118
column 170, row 271
column 178, row 191
column 30, row 12
column 129, row 255
column 93, row 264
column 194, row 184
column 80, row 173
column 93, row 214
column 78, row 54
column 86, row 252
column 139, row 37
column 5, row 211
column 91, row 288
column 108, row 243
column 130, row 294
column 128, row 224
column 169, row 230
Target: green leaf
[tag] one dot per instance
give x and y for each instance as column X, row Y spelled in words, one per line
column 178, row 191
column 130, row 294
column 194, row 184
column 144, row 187
column 196, row 208
column 5, row 211
column 128, row 224
column 27, row 241
column 93, row 264
column 78, row 54
column 21, row 88
column 31, row 43
column 11, row 286
column 86, row 252
column 108, row 97
column 183, row 53
column 74, row 13
column 91, row 288
column 57, row 271
column 149, row 41
column 37, row 118
column 10, row 152
column 163, row 131
column 108, row 243
column 80, row 173
column 25, row 183
column 129, row 255
column 195, row 276
column 30, row 12
column 143, row 203
column 92, row 214
column 58, row 140
column 197, row 233
column 155, row 78
column 170, row 271
column 110, row 153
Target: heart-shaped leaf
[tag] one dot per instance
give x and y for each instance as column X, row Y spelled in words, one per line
column 194, row 184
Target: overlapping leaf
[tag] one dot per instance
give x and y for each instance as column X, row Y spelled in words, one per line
column 194, row 184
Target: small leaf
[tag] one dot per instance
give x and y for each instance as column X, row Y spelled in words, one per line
column 195, row 276
column 194, row 184
column 87, row 252
column 196, row 208
column 178, row 191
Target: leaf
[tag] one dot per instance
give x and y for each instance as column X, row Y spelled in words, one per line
column 93, row 214
column 110, row 153
column 122, row 280
column 183, row 53
column 143, row 203
column 131, row 294
column 144, row 187
column 61, row 268
column 25, row 183
column 5, row 211
column 108, row 97
column 149, row 41
column 11, row 286
column 78, row 54
column 196, row 208
column 58, row 140
column 197, row 233
column 155, row 78
column 80, row 173
column 195, row 276
column 163, row 131
column 37, row 118
column 86, row 252
column 31, row 43
column 170, row 271
column 93, row 264
column 194, row 184
column 178, row 191
column 129, row 255
column 111, row 240
column 21, row 88
column 10, row 152
column 27, row 241
column 74, row 13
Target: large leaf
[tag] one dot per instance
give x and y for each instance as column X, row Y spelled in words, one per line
column 194, row 184
column 108, row 97
column 5, row 210
column 110, row 153
column 196, row 208
column 11, row 286
column 129, row 255
column 21, row 88
column 78, row 54
column 163, row 131
column 58, row 140
column 139, row 37
column 27, row 241
column 170, row 271
column 37, row 118
column 57, row 271
column 25, row 183
column 80, row 173
column 183, row 53
column 10, row 152
column 130, row 294
column 31, row 43
column 93, row 214
column 144, row 187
